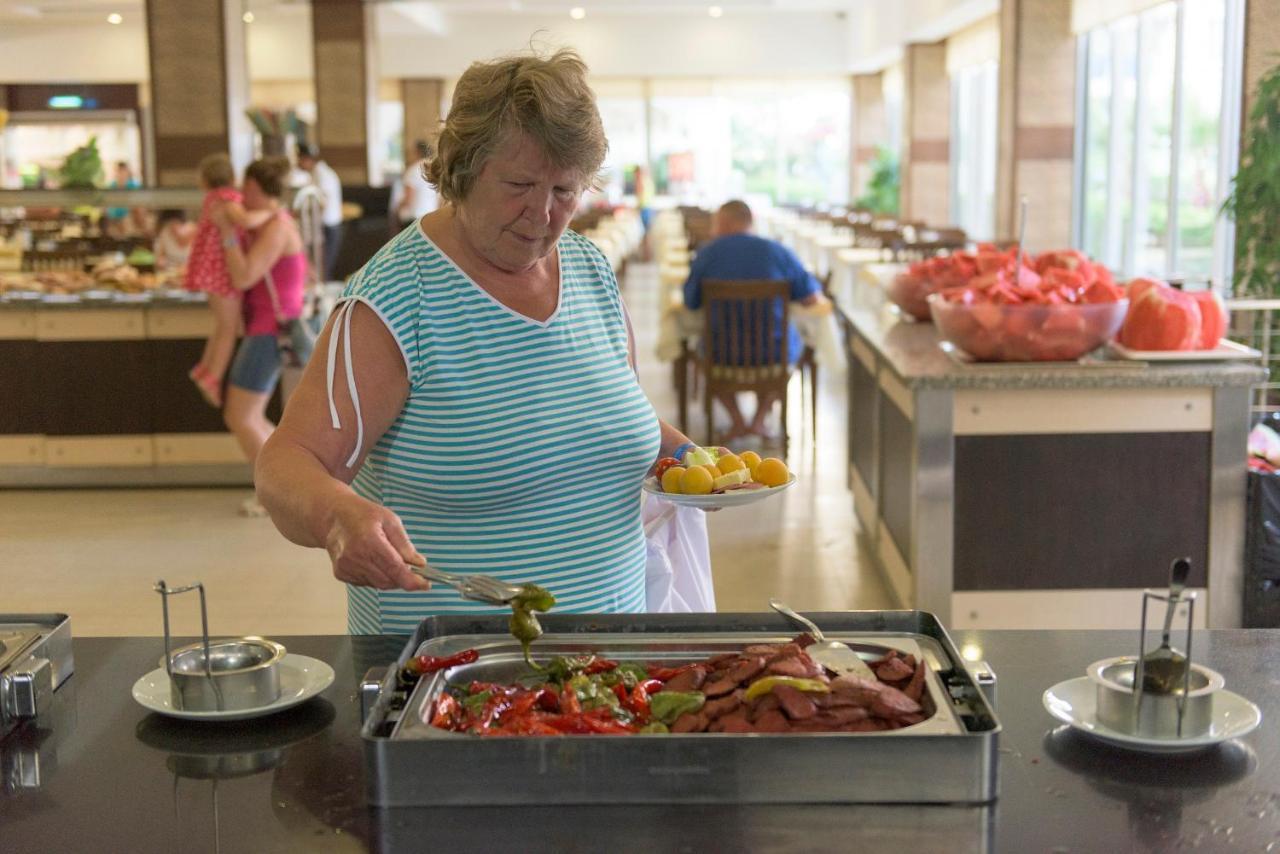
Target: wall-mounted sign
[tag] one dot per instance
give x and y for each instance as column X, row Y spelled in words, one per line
column 72, row 102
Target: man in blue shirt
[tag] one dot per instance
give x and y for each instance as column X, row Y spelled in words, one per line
column 736, row 253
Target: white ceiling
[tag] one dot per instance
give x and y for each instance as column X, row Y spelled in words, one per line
column 86, row 11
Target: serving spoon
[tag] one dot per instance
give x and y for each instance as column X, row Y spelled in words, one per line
column 833, row 655
column 1164, row 669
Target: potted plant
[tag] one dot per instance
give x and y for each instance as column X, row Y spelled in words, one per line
column 82, row 170
column 1255, row 196
column 881, row 195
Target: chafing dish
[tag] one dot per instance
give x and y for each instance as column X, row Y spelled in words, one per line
column 949, row 758
column 35, row 659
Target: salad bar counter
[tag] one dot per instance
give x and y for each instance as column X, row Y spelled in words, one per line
column 1037, row 494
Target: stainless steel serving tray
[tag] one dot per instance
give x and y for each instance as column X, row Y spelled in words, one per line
column 950, row 758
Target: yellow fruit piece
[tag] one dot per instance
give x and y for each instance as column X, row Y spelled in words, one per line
column 751, row 459
column 729, row 463
column 713, row 471
column 671, row 479
column 731, row 478
column 696, row 481
column 772, row 472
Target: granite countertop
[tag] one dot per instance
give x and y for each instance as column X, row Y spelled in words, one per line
column 911, row 350
column 114, row 777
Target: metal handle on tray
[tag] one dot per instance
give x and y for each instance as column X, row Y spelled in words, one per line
column 165, row 592
column 1173, row 600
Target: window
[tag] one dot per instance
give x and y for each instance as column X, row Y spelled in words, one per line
column 974, row 102
column 712, row 139
column 1158, row 139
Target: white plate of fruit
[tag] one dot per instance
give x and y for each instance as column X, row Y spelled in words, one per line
column 717, row 477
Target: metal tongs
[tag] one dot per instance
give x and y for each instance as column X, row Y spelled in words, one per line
column 481, row 588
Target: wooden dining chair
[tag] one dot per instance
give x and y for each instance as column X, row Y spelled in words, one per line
column 745, row 342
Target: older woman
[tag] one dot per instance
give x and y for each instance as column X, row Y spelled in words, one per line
column 480, row 410
column 273, row 261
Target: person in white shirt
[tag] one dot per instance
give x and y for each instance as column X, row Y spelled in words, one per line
column 326, row 179
column 418, row 198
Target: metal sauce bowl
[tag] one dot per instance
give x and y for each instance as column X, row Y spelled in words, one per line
column 1156, row 716
column 245, row 675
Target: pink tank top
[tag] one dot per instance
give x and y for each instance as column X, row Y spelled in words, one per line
column 289, row 275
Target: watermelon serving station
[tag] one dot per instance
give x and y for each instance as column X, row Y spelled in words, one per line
column 1001, row 493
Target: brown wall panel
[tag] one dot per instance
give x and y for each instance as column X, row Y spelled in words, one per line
column 1105, row 510
column 897, row 473
column 95, row 388
column 22, row 389
column 862, row 421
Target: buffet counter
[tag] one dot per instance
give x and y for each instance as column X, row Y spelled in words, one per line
column 102, row 773
column 96, row 393
column 1024, row 495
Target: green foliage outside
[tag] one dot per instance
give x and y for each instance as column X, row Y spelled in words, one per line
column 1255, row 196
column 82, row 170
column 882, row 190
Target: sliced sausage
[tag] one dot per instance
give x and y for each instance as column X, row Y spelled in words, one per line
column 799, row 666
column 894, row 670
column 746, row 668
column 787, row 650
column 771, row 721
column 719, row 688
column 735, row 722
column 862, row 691
column 796, row 704
column 763, row 649
column 868, row 725
column 764, row 705
column 892, row 703
column 915, row 688
column 690, row 722
column 716, row 661
column 844, row 715
column 722, row 706
column 911, row 720
column 687, row 680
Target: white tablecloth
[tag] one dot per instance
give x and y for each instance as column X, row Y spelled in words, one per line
column 816, row 325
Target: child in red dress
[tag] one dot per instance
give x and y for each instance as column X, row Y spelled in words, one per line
column 207, row 271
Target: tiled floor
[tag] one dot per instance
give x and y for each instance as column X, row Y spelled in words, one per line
column 96, row 553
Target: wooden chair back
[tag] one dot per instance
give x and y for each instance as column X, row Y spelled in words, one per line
column 745, row 341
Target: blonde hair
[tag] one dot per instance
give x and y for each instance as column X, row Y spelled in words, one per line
column 216, row 171
column 546, row 98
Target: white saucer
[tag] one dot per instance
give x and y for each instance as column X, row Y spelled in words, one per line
column 732, row 498
column 1074, row 702
column 301, row 678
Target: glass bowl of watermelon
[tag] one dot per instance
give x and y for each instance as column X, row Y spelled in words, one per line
column 1028, row 323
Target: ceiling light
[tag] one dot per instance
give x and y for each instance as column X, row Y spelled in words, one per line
column 577, row 13
column 715, row 11
column 247, row 17
column 115, row 18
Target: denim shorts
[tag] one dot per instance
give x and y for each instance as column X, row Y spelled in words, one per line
column 256, row 366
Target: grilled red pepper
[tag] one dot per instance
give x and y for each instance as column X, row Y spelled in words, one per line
column 638, row 702
column 599, row 665
column 448, row 713
column 430, row 664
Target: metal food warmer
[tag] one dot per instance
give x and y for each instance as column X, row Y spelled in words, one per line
column 35, row 658
column 951, row 757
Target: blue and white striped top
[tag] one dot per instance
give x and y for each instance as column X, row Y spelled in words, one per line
column 522, row 447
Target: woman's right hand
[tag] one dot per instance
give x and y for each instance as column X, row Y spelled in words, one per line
column 368, row 546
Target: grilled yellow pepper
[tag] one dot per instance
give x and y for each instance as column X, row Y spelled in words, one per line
column 763, row 686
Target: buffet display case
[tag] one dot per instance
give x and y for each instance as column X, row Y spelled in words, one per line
column 95, row 350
